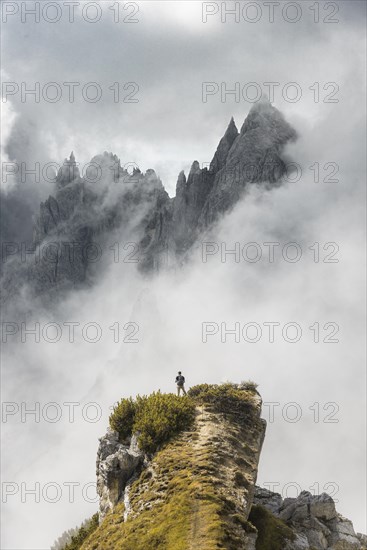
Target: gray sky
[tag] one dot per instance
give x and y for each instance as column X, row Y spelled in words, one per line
column 169, row 53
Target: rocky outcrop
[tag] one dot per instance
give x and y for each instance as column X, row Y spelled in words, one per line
column 203, row 480
column 116, row 464
column 313, row 519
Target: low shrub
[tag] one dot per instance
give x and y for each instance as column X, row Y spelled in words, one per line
column 122, row 418
column 249, row 385
column 228, row 397
column 155, row 418
column 158, row 417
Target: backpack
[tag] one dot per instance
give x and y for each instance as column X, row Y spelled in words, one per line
column 180, row 380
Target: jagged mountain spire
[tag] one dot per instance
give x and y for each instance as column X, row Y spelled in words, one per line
column 270, row 120
column 181, row 180
column 253, row 156
column 224, row 146
column 68, row 172
column 195, row 167
column 231, row 126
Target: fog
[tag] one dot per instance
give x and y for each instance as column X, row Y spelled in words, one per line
column 170, row 53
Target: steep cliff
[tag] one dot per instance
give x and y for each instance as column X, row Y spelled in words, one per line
column 180, row 474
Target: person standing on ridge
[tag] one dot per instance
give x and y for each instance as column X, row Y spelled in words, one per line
column 180, row 382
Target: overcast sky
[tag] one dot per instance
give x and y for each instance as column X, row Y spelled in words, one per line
column 169, row 53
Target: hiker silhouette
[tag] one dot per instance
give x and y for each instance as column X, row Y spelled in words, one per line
column 180, row 383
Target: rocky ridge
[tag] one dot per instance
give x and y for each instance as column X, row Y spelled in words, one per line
column 86, row 214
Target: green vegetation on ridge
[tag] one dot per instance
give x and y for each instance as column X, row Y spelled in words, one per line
column 225, row 398
column 158, row 417
column 155, row 418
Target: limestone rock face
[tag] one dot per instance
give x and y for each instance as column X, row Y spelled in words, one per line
column 224, row 147
column 255, row 156
column 191, row 195
column 313, row 519
column 89, row 212
column 267, row 499
column 250, row 541
column 116, row 463
column 76, row 226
